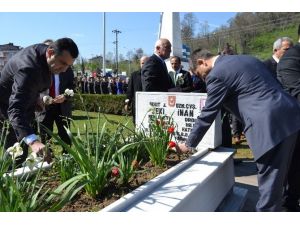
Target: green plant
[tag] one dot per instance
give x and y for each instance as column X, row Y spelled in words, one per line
column 156, row 139
column 96, row 153
column 66, row 167
column 127, row 164
column 5, row 159
column 26, row 192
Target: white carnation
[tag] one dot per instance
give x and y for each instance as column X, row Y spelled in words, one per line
column 47, row 100
column 69, row 93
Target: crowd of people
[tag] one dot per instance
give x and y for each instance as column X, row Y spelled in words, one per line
column 101, row 84
column 263, row 99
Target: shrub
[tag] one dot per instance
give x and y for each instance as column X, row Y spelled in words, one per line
column 110, row 104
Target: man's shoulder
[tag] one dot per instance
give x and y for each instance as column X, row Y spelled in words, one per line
column 136, row 73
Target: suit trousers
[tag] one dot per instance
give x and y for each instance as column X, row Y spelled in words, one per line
column 292, row 188
column 53, row 114
column 272, row 173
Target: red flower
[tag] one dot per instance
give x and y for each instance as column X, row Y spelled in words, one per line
column 157, row 122
column 172, row 144
column 115, row 172
column 171, row 130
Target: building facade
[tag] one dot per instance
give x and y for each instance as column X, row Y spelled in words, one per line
column 6, row 52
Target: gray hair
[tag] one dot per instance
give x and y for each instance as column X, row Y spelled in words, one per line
column 278, row 43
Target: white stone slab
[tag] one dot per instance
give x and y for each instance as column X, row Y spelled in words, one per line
column 183, row 107
column 23, row 171
column 200, row 184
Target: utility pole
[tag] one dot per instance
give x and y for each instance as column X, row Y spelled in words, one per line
column 104, row 43
column 116, row 42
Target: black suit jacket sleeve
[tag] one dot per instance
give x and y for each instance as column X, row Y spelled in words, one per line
column 22, row 101
column 288, row 71
column 216, row 93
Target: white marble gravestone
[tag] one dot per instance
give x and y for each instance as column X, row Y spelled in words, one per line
column 184, row 109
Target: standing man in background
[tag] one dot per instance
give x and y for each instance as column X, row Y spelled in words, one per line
column 23, row 78
column 280, row 46
column 134, row 85
column 182, row 79
column 155, row 75
column 288, row 73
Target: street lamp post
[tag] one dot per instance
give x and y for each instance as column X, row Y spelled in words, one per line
column 116, row 42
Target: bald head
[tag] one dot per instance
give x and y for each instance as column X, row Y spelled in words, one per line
column 163, row 48
column 143, row 60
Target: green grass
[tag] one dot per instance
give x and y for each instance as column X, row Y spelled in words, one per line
column 261, row 46
column 80, row 118
column 242, row 151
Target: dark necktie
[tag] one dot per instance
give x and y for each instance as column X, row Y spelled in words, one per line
column 52, row 87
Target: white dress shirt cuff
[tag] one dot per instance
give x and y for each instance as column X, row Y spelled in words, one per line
column 30, row 138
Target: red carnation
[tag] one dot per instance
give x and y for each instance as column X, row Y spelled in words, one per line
column 172, row 144
column 171, row 130
column 115, row 171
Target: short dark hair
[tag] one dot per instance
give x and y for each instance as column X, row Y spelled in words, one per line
column 65, row 44
column 199, row 54
column 176, row 57
column 299, row 30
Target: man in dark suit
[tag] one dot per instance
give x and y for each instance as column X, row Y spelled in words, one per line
column 243, row 85
column 288, row 73
column 182, row 79
column 61, row 112
column 155, row 75
column 22, row 79
column 279, row 48
column 134, row 85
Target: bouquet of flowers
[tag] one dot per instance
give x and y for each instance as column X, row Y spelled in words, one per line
column 179, row 79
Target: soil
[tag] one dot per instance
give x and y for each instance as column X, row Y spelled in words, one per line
column 84, row 203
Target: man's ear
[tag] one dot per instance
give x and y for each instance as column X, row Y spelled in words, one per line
column 200, row 62
column 50, row 52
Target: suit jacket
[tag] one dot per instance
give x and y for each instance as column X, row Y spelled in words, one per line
column 134, row 85
column 288, row 71
column 155, row 75
column 244, row 86
column 23, row 77
column 66, row 80
column 272, row 65
column 187, row 85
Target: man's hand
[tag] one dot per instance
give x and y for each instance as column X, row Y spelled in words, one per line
column 59, row 99
column 39, row 148
column 39, row 105
column 126, row 108
column 182, row 148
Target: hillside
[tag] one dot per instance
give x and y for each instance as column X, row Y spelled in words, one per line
column 261, row 46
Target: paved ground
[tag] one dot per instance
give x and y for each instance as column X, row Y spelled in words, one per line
column 245, row 177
